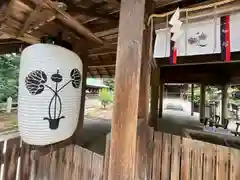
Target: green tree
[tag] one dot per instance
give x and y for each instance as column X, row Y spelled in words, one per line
column 9, row 71
column 105, row 97
column 109, row 82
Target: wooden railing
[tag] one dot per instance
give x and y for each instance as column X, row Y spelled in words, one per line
column 169, row 157
column 23, row 162
column 175, row 158
column 71, row 162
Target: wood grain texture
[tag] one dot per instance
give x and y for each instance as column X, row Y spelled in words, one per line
column 155, row 75
column 185, row 159
column 157, row 156
column 107, row 157
column 127, row 78
column 83, row 98
column 166, row 156
column 175, row 157
column 11, row 159
column 25, row 164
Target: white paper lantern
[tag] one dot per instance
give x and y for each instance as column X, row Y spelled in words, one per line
column 49, row 94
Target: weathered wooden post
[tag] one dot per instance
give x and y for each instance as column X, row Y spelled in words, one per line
column 192, row 99
column 224, row 103
column 161, row 89
column 83, row 98
column 144, row 133
column 202, row 101
column 154, row 97
column 126, row 95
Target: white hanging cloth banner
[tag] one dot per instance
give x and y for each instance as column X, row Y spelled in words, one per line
column 203, row 37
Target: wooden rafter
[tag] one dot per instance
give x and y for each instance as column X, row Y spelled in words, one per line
column 89, row 71
column 7, row 11
column 69, row 21
column 106, row 32
column 93, row 13
column 98, row 72
column 207, row 13
column 41, row 24
column 108, row 72
column 107, row 47
column 26, row 38
column 29, row 20
column 105, row 67
column 96, row 18
column 117, row 2
column 102, row 53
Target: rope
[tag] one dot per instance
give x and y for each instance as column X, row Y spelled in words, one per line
column 190, row 9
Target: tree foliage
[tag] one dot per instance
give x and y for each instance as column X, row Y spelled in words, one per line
column 105, row 97
column 109, row 82
column 9, row 71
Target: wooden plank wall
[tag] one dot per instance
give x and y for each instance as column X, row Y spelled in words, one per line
column 175, row 158
column 169, row 157
column 13, row 154
column 69, row 163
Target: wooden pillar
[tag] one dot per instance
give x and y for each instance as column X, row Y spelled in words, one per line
column 83, row 98
column 126, row 95
column 144, row 94
column 161, row 89
column 154, row 97
column 144, row 133
column 224, row 106
column 202, row 101
column 192, row 99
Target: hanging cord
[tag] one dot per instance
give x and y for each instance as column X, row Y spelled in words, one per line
column 215, row 29
column 167, row 37
column 186, row 34
column 198, row 8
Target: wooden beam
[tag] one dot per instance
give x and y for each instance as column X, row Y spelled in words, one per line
column 29, row 20
column 155, row 75
column 106, row 32
column 192, row 99
column 202, row 100
column 96, row 18
column 104, row 64
column 209, row 13
column 103, row 49
column 8, row 10
column 26, row 38
column 93, row 13
column 224, row 105
column 198, row 59
column 125, row 110
column 83, row 98
column 160, row 99
column 69, row 21
column 117, row 2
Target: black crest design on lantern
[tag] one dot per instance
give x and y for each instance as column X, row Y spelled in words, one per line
column 36, row 82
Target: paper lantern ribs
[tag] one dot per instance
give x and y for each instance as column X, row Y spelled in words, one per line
column 49, row 94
